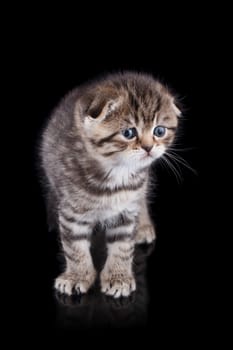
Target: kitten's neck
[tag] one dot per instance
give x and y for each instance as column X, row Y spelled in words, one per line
column 123, row 176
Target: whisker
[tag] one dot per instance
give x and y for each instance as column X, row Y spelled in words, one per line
column 177, row 158
column 177, row 169
column 174, row 170
column 182, row 161
column 182, row 149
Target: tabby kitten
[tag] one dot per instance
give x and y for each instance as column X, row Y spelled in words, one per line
column 96, row 151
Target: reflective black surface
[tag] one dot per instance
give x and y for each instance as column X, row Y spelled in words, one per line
column 170, row 276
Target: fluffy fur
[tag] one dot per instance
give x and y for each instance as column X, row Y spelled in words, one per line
column 95, row 174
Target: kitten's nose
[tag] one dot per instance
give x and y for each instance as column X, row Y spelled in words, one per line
column 147, row 148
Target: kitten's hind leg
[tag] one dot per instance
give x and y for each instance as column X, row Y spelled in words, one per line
column 145, row 230
column 80, row 273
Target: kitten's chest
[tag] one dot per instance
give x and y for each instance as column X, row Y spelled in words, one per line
column 118, row 201
column 109, row 206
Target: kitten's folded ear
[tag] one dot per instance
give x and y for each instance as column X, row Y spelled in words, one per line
column 176, row 109
column 99, row 104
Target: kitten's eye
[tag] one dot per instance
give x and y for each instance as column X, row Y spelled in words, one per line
column 129, row 133
column 159, row 131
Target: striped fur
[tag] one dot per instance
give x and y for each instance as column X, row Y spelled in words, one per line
column 95, row 175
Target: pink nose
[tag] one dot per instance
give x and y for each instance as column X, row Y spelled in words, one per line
column 147, row 148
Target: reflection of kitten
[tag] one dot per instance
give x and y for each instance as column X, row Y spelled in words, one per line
column 96, row 151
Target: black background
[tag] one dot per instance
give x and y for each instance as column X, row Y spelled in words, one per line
column 171, row 298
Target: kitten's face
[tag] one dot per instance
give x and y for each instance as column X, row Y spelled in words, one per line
column 133, row 126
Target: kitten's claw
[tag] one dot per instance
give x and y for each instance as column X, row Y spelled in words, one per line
column 145, row 234
column 118, row 287
column 81, row 287
column 66, row 284
column 133, row 285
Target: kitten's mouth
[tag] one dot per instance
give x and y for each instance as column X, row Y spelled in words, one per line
column 147, row 156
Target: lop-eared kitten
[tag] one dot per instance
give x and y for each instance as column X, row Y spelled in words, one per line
column 96, row 151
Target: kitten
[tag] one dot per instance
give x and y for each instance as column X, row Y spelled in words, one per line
column 96, row 151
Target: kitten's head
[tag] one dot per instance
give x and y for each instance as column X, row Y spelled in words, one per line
column 128, row 119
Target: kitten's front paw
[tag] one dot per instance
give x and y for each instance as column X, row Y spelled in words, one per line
column 117, row 284
column 69, row 283
column 64, row 284
column 145, row 234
